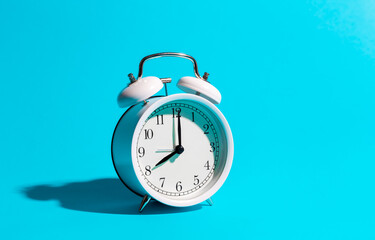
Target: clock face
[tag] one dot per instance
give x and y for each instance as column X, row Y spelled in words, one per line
column 179, row 149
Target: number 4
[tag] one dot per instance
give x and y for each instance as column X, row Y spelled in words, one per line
column 207, row 165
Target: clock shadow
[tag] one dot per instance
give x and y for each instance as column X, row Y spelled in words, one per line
column 106, row 195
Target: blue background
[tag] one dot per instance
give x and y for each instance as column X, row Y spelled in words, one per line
column 297, row 80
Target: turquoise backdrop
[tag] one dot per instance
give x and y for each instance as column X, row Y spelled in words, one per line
column 297, row 80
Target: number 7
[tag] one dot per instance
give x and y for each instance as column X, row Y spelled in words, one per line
column 163, row 180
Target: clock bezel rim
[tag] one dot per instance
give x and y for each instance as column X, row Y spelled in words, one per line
column 228, row 161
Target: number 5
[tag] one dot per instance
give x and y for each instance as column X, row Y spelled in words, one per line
column 196, row 180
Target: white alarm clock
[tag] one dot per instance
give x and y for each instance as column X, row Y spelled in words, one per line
column 176, row 149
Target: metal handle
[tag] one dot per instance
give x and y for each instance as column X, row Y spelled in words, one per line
column 168, row 54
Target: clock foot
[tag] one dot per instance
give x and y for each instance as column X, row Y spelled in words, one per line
column 210, row 202
column 146, row 199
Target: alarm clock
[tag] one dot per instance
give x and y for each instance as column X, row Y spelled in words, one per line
column 176, row 149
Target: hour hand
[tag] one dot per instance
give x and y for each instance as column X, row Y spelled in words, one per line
column 178, row 150
column 166, row 158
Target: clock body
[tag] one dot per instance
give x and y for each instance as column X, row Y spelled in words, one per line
column 144, row 147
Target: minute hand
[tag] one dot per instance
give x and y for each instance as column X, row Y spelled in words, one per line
column 179, row 128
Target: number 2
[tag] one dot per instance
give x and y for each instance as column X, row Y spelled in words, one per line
column 206, row 127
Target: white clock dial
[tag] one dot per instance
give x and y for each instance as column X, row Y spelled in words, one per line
column 178, row 148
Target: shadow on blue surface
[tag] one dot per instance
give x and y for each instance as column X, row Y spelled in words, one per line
column 107, row 195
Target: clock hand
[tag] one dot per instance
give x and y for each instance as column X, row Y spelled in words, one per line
column 165, row 158
column 174, row 133
column 179, row 128
column 178, row 150
column 164, row 150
